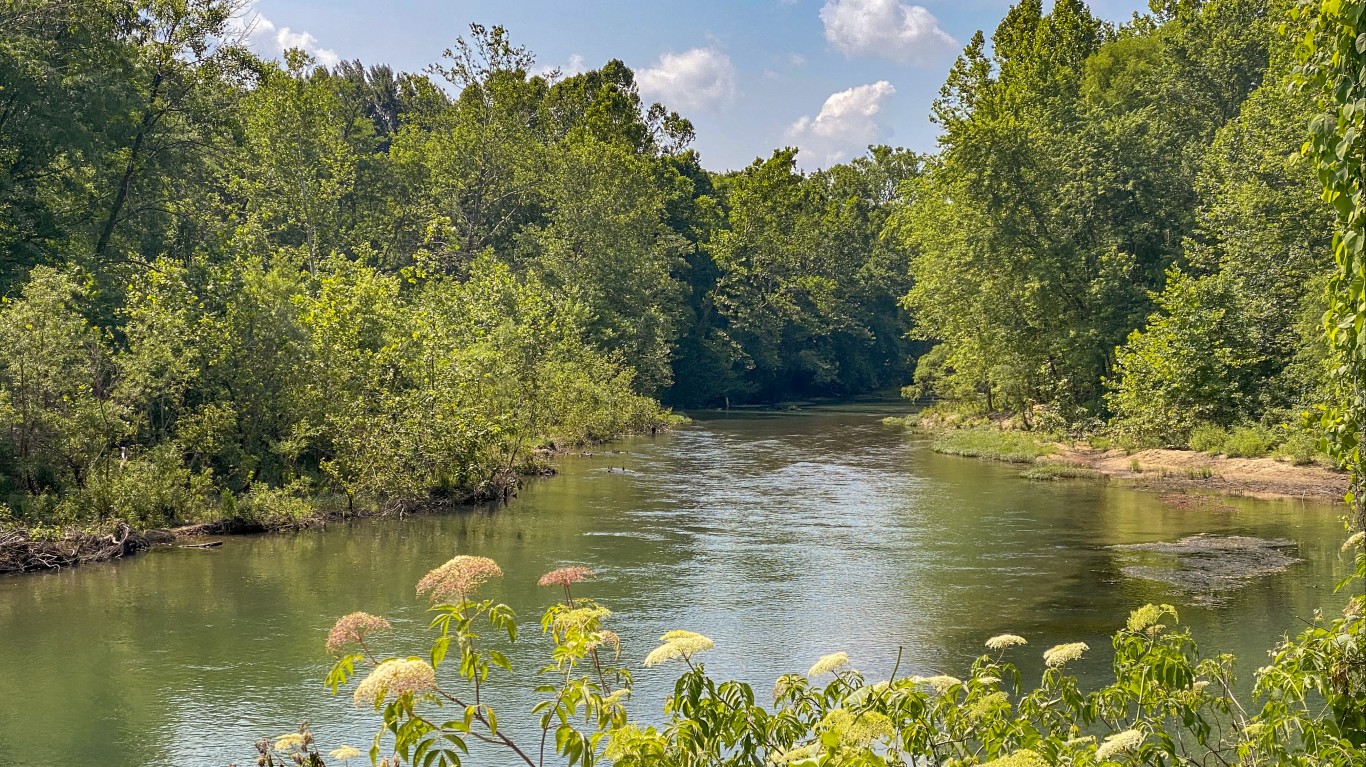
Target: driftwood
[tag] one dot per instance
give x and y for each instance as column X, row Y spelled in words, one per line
column 21, row 553
column 204, row 545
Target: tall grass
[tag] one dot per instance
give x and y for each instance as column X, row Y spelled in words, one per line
column 993, row 445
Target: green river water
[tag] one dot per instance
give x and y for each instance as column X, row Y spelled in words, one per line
column 781, row 536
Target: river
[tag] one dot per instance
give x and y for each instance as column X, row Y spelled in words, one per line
column 783, row 536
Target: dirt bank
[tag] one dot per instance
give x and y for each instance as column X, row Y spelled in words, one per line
column 1190, row 470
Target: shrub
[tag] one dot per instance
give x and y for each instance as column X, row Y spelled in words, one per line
column 1207, row 438
column 276, row 507
column 1302, row 448
column 1249, row 442
column 148, row 490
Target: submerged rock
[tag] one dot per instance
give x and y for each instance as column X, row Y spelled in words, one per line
column 1208, row 567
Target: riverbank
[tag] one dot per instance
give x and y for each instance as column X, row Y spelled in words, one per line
column 43, row 548
column 39, row 547
column 1162, row 470
column 1177, row 470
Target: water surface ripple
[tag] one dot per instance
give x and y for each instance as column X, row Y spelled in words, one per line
column 782, row 536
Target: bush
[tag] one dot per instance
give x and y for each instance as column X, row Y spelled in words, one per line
column 1249, row 442
column 150, row 490
column 276, row 507
column 1207, row 438
column 1303, row 448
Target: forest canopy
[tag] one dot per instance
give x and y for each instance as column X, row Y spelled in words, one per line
column 231, row 282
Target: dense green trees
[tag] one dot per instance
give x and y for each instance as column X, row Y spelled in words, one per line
column 261, row 280
column 232, row 284
column 1234, row 339
column 1120, row 226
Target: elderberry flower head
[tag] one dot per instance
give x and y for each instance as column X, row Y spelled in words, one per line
column 459, row 578
column 678, row 644
column 395, row 678
column 353, row 628
column 565, row 576
column 1004, row 641
column 1060, row 655
column 1119, row 743
column 829, row 664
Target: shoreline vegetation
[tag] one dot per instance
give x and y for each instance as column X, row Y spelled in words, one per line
column 1051, row 456
column 40, row 548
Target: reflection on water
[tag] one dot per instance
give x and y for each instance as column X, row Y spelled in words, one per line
column 783, row 537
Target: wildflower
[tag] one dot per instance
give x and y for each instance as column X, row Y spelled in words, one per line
column 987, row 680
column 1084, row 740
column 858, row 696
column 345, row 754
column 1357, row 539
column 1022, row 758
column 395, row 678
column 1200, row 685
column 828, row 664
column 987, row 705
column 856, row 730
column 1063, row 654
column 353, row 628
column 459, row 578
column 580, row 618
column 940, row 683
column 1146, row 618
column 1119, row 743
column 678, row 644
column 565, row 576
column 1004, row 641
column 291, row 742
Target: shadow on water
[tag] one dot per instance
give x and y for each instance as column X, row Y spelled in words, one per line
column 783, row 536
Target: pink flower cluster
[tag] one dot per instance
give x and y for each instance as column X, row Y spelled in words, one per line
column 565, row 576
column 459, row 578
column 353, row 628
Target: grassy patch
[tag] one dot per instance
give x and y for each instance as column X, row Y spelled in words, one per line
column 992, row 445
column 1051, row 470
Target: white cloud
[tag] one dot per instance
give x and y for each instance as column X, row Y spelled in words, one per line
column 575, row 66
column 262, row 36
column 848, row 122
column 287, row 38
column 888, row 29
column 690, row 80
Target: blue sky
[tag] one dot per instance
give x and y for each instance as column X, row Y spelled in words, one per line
column 828, row 76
